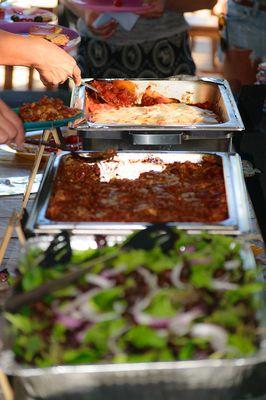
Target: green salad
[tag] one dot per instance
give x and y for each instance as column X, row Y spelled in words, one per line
column 194, row 301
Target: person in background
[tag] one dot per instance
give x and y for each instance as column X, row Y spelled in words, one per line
column 54, row 65
column 156, row 46
column 243, row 41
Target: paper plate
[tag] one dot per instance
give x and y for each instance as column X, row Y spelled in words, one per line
column 107, row 5
column 22, row 28
column 25, row 13
column 41, row 125
column 28, row 151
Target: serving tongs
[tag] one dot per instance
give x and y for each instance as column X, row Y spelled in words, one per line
column 79, row 155
column 60, row 252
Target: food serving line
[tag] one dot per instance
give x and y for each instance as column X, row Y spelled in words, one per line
column 138, row 146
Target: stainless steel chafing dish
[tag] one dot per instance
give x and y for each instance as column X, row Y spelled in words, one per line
column 237, row 222
column 208, row 379
column 214, row 137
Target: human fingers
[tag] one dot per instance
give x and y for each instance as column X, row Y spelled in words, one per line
column 105, row 29
column 4, row 138
column 54, row 76
column 76, row 75
column 8, row 130
column 16, row 124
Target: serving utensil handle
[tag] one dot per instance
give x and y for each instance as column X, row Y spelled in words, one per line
column 38, row 142
column 6, row 392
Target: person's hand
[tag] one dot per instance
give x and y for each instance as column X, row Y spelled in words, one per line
column 155, row 11
column 11, row 127
column 104, row 31
column 55, row 65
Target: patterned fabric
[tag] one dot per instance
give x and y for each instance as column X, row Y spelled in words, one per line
column 150, row 59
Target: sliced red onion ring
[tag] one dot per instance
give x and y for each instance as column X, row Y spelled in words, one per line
column 140, row 305
column 219, row 284
column 100, row 281
column 181, row 324
column 216, row 334
column 146, row 319
column 81, row 299
column 68, row 321
column 232, row 264
column 110, row 273
column 112, row 341
column 175, row 275
column 149, row 278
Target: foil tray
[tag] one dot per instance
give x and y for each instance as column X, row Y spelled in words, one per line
column 187, row 89
column 208, row 379
column 188, row 380
column 238, row 221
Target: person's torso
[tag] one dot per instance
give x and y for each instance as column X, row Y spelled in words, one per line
column 145, row 29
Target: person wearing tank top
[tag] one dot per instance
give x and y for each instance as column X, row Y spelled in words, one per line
column 156, row 47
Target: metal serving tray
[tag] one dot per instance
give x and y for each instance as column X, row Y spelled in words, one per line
column 208, row 379
column 237, row 203
column 186, row 89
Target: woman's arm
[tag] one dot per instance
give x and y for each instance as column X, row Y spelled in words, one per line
column 53, row 64
column 189, row 5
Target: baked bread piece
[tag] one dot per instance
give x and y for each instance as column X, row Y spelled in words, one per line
column 44, row 30
column 51, row 33
column 58, row 39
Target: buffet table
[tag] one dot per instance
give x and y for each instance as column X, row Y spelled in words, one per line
column 10, row 165
column 170, row 168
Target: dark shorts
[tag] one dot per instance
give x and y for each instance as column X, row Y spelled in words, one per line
column 152, row 59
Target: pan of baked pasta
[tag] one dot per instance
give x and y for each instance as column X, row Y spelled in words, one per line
column 126, row 191
column 149, row 104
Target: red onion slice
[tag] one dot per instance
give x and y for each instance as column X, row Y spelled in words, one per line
column 68, row 321
column 216, row 334
column 232, row 264
column 219, row 284
column 150, row 279
column 175, row 275
column 181, row 324
column 99, row 281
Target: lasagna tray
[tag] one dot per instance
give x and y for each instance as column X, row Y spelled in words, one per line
column 188, row 103
column 188, row 190
column 147, row 190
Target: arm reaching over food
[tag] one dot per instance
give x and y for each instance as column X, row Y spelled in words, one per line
column 11, row 127
column 54, row 65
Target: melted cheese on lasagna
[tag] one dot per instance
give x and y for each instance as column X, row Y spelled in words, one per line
column 158, row 114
